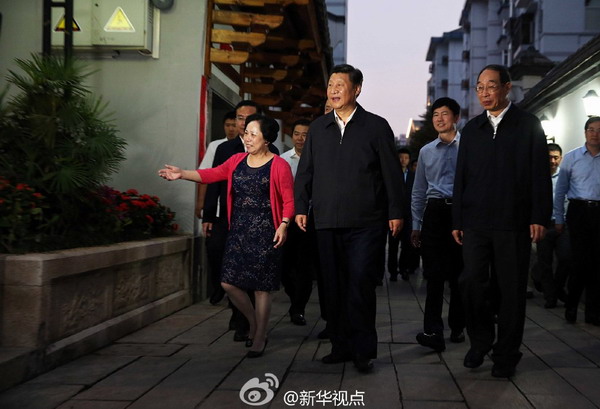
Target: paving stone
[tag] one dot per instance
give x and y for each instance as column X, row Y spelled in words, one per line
column 406, row 332
column 134, row 380
column 121, row 349
column 411, row 404
column 558, row 354
column 189, row 385
column 413, row 354
column 223, row 399
column 308, row 385
column 560, row 401
column 84, row 371
column 585, row 380
column 163, row 330
column 429, row 381
column 37, row 396
column 94, row 404
column 492, row 395
column 542, row 382
column 378, row 388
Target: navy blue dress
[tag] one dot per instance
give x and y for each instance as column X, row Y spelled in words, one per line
column 250, row 261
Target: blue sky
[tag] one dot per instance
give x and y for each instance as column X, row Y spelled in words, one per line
column 388, row 41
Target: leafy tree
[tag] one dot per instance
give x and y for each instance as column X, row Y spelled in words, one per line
column 422, row 136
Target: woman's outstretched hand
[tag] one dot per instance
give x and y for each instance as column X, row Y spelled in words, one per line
column 170, row 172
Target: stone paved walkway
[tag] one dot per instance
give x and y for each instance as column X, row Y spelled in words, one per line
column 188, row 360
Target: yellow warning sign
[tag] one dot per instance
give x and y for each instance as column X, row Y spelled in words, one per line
column 119, row 22
column 62, row 24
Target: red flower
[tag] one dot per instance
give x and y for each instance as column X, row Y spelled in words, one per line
column 175, row 226
column 149, row 218
column 138, row 203
column 38, row 195
column 22, row 186
column 132, row 192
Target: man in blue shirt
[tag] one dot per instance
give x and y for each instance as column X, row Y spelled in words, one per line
column 579, row 181
column 553, row 243
column 432, row 226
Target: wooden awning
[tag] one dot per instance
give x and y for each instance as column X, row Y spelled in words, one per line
column 282, row 50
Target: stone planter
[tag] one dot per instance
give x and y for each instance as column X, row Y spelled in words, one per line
column 63, row 304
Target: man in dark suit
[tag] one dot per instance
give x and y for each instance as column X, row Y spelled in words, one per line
column 349, row 173
column 408, row 261
column 502, row 200
column 214, row 222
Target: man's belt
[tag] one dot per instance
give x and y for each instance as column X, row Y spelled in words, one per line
column 440, row 201
column 586, row 203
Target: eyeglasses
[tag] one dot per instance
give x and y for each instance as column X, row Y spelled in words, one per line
column 480, row 89
column 593, row 130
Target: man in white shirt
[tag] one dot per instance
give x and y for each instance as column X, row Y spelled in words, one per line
column 230, row 128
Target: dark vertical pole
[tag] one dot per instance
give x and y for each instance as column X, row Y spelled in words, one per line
column 46, row 28
column 68, row 29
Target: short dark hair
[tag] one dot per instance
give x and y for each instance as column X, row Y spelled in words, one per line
column 554, row 147
column 268, row 126
column 446, row 102
column 228, row 115
column 248, row 103
column 356, row 76
column 403, row 150
column 302, row 122
column 500, row 69
column 591, row 120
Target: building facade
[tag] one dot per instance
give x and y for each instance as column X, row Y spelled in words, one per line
column 528, row 36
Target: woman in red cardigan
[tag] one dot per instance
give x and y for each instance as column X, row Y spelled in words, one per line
column 260, row 205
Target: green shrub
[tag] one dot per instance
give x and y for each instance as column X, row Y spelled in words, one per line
column 57, row 148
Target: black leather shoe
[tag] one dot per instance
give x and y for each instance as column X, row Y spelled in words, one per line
column 217, row 296
column 298, row 319
column 474, row 358
column 457, row 337
column 549, row 304
column 433, row 341
column 502, row 371
column 240, row 336
column 571, row 314
column 364, row 365
column 336, row 358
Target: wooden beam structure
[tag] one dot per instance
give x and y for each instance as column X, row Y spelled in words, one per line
column 239, row 19
column 276, row 51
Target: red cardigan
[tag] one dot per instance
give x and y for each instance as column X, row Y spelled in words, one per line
column 281, row 185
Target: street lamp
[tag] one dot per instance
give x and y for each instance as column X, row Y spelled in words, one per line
column 591, row 103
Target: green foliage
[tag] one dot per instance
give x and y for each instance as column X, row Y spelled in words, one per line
column 53, row 134
column 57, row 147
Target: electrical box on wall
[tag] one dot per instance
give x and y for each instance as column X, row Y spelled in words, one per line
column 111, row 24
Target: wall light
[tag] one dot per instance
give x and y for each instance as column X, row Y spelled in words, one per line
column 591, row 103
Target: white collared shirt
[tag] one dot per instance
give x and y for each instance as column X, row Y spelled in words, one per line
column 495, row 120
column 292, row 158
column 340, row 123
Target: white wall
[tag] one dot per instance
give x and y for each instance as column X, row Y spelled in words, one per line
column 155, row 101
column 568, row 115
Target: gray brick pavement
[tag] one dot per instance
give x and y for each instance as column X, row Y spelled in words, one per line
column 189, row 361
